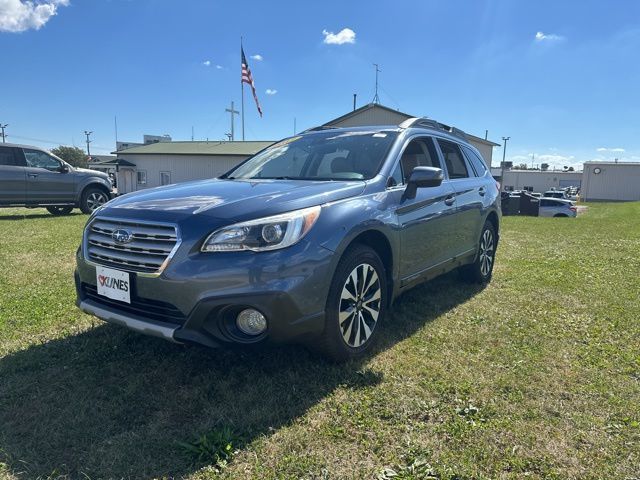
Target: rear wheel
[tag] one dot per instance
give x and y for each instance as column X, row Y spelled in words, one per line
column 481, row 269
column 355, row 306
column 59, row 210
column 93, row 198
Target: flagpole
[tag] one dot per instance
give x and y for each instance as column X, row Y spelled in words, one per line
column 242, row 92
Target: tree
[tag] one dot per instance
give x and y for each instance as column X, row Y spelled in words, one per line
column 522, row 166
column 72, row 155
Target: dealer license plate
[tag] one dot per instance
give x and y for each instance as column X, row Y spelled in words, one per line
column 113, row 284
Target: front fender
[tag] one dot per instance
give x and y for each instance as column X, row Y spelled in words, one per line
column 92, row 181
column 342, row 222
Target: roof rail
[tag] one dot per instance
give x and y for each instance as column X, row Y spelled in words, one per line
column 319, row 129
column 430, row 123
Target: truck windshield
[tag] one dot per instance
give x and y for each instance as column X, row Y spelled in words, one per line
column 330, row 155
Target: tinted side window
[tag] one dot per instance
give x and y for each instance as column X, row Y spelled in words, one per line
column 7, row 157
column 453, row 158
column 419, row 153
column 36, row 158
column 476, row 162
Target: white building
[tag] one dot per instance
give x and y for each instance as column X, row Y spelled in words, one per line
column 164, row 163
column 146, row 140
column 376, row 114
column 537, row 180
column 610, row 181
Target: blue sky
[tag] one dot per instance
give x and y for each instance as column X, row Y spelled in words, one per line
column 560, row 78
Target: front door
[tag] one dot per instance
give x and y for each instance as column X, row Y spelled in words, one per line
column 46, row 182
column 13, row 184
column 426, row 221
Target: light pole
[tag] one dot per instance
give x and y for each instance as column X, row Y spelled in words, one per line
column 87, row 133
column 3, row 127
column 504, row 154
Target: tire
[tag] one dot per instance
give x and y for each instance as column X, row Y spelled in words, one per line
column 58, row 211
column 356, row 305
column 92, row 198
column 481, row 269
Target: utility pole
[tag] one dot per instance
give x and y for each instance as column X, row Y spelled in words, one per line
column 504, row 153
column 232, row 112
column 3, row 126
column 294, row 125
column 376, row 99
column 88, row 142
column 355, row 95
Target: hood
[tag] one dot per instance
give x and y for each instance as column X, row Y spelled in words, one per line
column 86, row 171
column 229, row 199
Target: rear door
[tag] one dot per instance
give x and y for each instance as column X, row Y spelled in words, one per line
column 469, row 192
column 13, row 184
column 46, row 183
column 426, row 221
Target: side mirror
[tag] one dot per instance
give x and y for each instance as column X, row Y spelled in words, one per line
column 63, row 169
column 423, row 177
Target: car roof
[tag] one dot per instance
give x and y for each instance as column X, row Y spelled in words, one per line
column 18, row 145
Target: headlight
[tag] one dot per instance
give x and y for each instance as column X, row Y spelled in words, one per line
column 269, row 233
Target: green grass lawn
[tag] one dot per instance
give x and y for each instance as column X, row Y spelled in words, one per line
column 535, row 376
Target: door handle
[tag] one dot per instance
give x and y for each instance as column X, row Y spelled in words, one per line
column 32, row 175
column 482, row 191
column 449, row 200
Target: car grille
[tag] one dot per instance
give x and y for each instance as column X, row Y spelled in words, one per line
column 148, row 250
column 142, row 307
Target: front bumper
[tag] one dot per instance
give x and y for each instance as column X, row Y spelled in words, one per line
column 197, row 296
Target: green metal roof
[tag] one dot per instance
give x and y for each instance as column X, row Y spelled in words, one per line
column 197, row 148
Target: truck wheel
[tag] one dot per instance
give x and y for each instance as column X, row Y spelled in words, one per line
column 57, row 211
column 92, row 198
column 356, row 305
column 481, row 269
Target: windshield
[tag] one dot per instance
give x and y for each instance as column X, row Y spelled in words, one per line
column 327, row 155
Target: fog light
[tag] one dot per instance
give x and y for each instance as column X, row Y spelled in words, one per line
column 251, row 322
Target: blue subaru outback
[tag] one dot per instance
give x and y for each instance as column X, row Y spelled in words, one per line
column 308, row 241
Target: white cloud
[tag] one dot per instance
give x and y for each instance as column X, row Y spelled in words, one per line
column 219, row 67
column 207, row 63
column 542, row 37
column 257, row 57
column 270, row 91
column 613, row 150
column 346, row 35
column 19, row 15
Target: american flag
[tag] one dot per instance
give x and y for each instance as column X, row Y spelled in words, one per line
column 248, row 79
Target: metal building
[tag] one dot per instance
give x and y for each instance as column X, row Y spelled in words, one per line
column 538, row 181
column 164, row 163
column 610, row 181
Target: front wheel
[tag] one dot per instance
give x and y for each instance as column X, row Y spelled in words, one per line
column 92, row 198
column 356, row 305
column 481, row 269
column 57, row 211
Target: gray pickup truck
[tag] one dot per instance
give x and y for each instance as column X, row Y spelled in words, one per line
column 32, row 177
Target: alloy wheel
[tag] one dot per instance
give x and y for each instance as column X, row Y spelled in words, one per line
column 95, row 200
column 359, row 307
column 486, row 252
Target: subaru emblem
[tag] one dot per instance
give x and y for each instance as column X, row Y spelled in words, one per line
column 122, row 236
